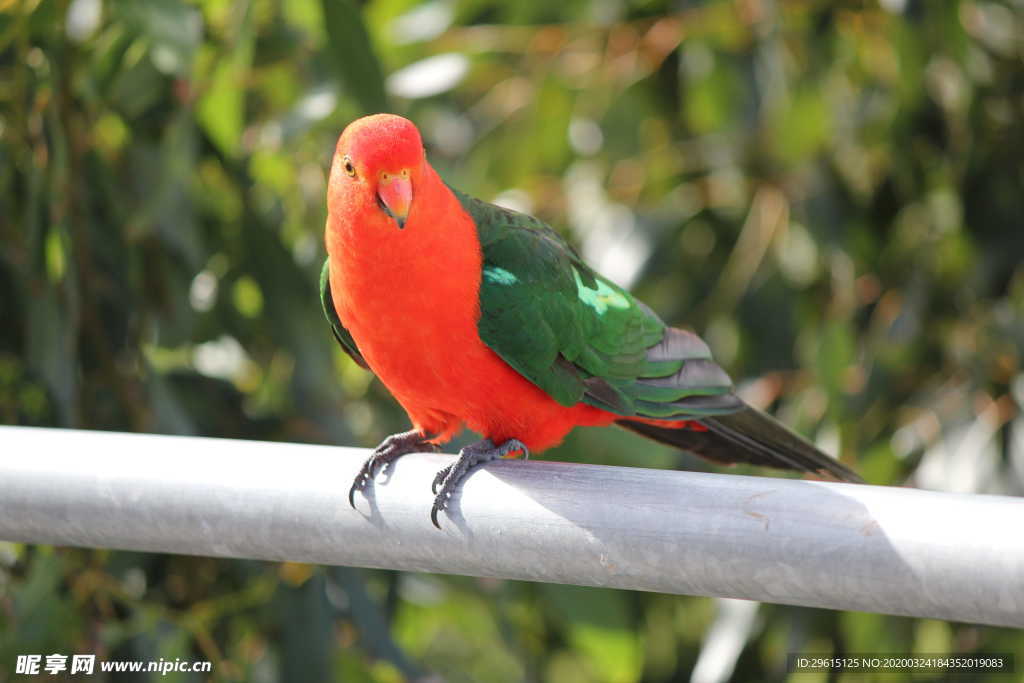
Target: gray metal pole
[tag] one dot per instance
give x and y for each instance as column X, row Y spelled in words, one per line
column 841, row 546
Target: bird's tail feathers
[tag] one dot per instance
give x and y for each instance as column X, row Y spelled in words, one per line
column 748, row 436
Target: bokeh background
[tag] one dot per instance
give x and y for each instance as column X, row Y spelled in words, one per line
column 831, row 192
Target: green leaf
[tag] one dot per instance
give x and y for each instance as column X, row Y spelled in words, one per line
column 353, row 55
column 51, row 353
column 172, row 28
column 599, row 626
column 221, row 110
column 306, row 645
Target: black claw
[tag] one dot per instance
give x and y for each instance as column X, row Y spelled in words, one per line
column 449, row 478
column 440, row 504
column 439, row 478
column 361, row 480
column 384, row 455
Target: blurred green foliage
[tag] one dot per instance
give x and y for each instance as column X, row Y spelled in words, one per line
column 832, row 192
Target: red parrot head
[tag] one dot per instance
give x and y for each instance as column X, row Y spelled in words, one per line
column 377, row 163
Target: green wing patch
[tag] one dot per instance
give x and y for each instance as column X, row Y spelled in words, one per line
column 340, row 333
column 579, row 336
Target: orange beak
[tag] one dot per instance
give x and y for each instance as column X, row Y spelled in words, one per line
column 394, row 195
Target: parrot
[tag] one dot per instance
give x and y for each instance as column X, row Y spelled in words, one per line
column 476, row 316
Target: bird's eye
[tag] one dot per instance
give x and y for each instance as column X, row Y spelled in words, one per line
column 349, row 167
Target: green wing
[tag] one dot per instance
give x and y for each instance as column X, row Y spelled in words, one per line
column 340, row 333
column 580, row 337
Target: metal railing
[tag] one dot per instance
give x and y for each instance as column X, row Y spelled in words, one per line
column 841, row 546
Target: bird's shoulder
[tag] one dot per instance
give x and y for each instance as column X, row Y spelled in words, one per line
column 501, row 230
column 525, row 259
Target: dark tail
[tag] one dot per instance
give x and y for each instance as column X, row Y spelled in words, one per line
column 748, row 436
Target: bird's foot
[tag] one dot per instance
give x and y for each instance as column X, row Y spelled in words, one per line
column 387, row 452
column 449, row 478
